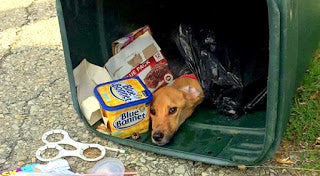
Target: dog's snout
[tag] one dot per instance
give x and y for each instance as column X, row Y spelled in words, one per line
column 157, row 136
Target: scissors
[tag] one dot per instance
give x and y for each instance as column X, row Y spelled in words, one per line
column 79, row 152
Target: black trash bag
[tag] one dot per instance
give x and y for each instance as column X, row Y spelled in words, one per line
column 233, row 85
column 166, row 39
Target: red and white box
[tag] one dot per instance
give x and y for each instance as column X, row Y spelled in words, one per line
column 141, row 57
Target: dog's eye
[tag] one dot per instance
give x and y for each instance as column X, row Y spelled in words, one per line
column 153, row 111
column 172, row 110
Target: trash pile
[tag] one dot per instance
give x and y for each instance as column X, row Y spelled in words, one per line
column 138, row 56
column 116, row 98
column 120, row 93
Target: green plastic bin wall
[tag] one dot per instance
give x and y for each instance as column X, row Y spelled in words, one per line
column 89, row 26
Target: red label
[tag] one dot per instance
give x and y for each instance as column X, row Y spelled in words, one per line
column 149, row 62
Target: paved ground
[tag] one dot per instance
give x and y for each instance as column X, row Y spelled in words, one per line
column 35, row 98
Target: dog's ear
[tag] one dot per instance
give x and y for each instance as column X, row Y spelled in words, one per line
column 190, row 92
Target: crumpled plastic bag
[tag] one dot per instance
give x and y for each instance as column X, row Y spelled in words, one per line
column 231, row 84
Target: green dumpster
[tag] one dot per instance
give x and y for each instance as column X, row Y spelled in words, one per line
column 289, row 28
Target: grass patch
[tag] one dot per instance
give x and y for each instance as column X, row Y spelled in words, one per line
column 310, row 160
column 304, row 121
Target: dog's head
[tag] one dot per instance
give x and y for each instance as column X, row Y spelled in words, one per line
column 170, row 108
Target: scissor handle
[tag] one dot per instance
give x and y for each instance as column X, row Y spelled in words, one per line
column 87, row 146
column 46, row 147
column 65, row 134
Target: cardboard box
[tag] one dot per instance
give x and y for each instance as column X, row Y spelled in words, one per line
column 143, row 58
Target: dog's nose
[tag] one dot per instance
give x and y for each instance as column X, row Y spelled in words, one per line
column 157, row 136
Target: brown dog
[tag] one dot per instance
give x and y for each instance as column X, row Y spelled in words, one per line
column 172, row 105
